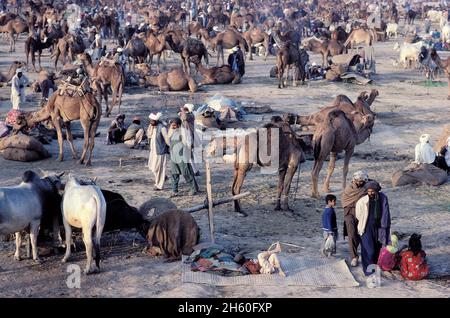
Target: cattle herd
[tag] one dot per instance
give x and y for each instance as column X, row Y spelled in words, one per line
column 195, row 30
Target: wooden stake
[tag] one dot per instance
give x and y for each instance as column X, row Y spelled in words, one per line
column 210, row 201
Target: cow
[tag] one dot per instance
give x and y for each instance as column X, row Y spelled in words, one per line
column 22, row 207
column 84, row 207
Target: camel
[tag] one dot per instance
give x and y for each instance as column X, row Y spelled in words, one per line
column 32, row 46
column 358, row 36
column 257, row 36
column 443, row 64
column 14, row 28
column 173, row 80
column 69, row 108
column 215, row 75
column 338, row 132
column 288, row 36
column 11, row 72
column 69, row 45
column 137, row 50
column 317, row 45
column 155, row 45
column 104, row 76
column 289, row 56
column 227, row 40
column 290, row 156
column 44, row 83
column 187, row 49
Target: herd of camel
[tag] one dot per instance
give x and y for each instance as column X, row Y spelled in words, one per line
column 339, row 127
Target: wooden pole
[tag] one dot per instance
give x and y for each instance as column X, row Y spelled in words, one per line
column 205, row 204
column 210, row 201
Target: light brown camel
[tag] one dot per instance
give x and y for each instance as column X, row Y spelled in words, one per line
column 67, row 47
column 103, row 76
column 69, row 108
column 289, row 156
column 256, row 36
column 443, row 64
column 215, row 75
column 227, row 40
column 358, row 36
column 11, row 72
column 173, row 80
column 14, row 28
column 340, row 132
column 156, row 46
column 288, row 56
column 317, row 45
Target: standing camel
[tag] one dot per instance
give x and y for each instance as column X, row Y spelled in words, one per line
column 289, row 56
column 227, row 40
column 156, row 46
column 69, row 108
column 257, row 36
column 443, row 64
column 14, row 28
column 290, row 156
column 104, row 76
column 340, row 132
column 358, row 36
column 187, row 49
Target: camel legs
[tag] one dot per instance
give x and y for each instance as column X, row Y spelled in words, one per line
column 348, row 156
column 39, row 61
column 92, row 131
column 280, row 188
column 240, row 172
column 58, row 128
column 85, row 125
column 70, row 139
column 292, row 168
column 104, row 91
column 331, row 166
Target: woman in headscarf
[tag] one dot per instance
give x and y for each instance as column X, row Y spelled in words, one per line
column 443, row 157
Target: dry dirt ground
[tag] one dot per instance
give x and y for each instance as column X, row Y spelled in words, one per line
column 404, row 111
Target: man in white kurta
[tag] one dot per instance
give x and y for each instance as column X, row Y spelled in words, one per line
column 424, row 152
column 18, row 84
column 157, row 161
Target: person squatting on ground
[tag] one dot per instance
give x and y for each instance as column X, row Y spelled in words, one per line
column 117, row 130
column 329, row 227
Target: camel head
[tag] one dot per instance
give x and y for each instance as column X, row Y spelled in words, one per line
column 84, row 57
column 195, row 59
column 143, row 69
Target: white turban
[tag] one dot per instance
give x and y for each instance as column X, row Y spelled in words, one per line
column 156, row 116
column 119, row 49
column 424, row 138
column 190, row 107
column 360, row 175
column 235, row 49
column 19, row 70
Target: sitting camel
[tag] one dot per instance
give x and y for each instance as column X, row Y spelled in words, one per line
column 69, row 108
column 103, row 76
column 290, row 156
column 215, row 75
column 173, row 80
column 443, row 64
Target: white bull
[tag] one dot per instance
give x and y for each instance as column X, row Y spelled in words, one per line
column 84, row 207
column 409, row 52
column 391, row 29
column 22, row 206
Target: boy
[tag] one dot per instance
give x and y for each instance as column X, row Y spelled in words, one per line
column 329, row 226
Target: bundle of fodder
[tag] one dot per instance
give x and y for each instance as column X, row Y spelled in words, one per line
column 22, row 148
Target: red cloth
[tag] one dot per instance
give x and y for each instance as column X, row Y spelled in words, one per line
column 414, row 267
column 11, row 117
column 387, row 260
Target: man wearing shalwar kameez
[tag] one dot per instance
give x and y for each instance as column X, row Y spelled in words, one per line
column 374, row 224
column 188, row 121
column 157, row 161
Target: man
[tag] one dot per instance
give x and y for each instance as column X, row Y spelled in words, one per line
column 157, row 161
column 116, row 130
column 180, row 151
column 352, row 193
column 374, row 224
column 18, row 83
column 134, row 134
column 120, row 59
column 188, row 122
column 237, row 63
column 424, row 153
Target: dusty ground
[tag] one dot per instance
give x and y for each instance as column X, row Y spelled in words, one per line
column 404, row 111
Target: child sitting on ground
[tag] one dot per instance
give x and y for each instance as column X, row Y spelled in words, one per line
column 329, row 226
column 389, row 255
column 413, row 265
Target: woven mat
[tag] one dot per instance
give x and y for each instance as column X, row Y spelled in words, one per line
column 318, row 272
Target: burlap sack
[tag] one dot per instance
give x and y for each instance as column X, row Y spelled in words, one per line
column 18, row 154
column 422, row 173
column 24, row 142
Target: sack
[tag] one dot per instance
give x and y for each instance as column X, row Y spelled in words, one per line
column 18, row 154
column 329, row 246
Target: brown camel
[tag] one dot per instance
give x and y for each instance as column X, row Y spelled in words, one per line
column 358, row 36
column 44, row 83
column 317, row 45
column 288, row 56
column 187, row 48
column 68, row 46
column 173, row 80
column 69, row 108
column 290, row 156
column 14, row 28
column 339, row 132
column 105, row 75
column 443, row 64
column 215, row 75
column 227, row 40
column 11, row 72
column 256, row 36
column 136, row 50
column 156, row 46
